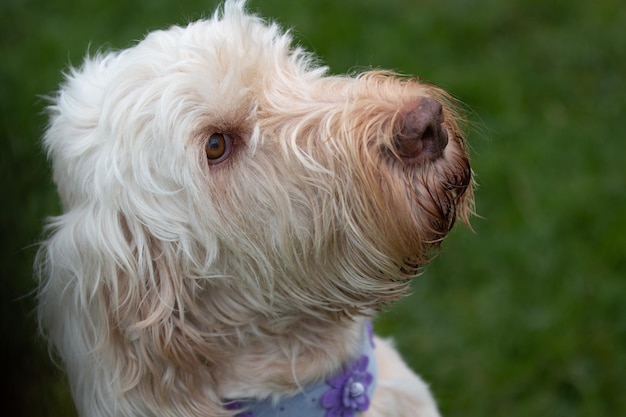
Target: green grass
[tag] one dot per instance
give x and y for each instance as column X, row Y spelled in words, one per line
column 524, row 317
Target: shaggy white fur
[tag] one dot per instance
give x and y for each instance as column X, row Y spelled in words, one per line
column 231, row 215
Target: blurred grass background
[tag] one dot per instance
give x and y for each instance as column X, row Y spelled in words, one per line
column 524, row 317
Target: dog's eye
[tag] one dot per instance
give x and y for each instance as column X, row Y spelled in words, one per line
column 218, row 147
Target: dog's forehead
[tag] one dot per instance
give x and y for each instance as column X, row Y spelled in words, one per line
column 235, row 44
column 227, row 63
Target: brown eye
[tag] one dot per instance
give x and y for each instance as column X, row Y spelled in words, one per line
column 218, row 147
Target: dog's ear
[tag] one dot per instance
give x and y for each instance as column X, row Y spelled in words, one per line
column 115, row 295
column 113, row 300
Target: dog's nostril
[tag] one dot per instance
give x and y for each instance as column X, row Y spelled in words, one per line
column 422, row 135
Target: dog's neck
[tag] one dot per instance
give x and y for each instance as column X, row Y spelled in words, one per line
column 348, row 387
column 283, row 360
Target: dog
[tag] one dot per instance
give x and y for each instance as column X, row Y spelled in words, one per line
column 232, row 219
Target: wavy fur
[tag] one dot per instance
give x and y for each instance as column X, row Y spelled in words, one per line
column 168, row 284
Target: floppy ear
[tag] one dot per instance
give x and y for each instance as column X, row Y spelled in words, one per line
column 117, row 293
column 114, row 302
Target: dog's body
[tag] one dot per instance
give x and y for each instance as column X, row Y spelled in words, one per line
column 231, row 218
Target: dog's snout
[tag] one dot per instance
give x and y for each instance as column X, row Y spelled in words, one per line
column 422, row 135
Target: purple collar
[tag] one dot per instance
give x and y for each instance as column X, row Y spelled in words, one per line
column 344, row 395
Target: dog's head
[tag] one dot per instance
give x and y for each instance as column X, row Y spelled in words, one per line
column 214, row 177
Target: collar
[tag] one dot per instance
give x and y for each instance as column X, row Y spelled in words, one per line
column 344, row 394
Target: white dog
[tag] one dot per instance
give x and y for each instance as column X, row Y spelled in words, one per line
column 232, row 219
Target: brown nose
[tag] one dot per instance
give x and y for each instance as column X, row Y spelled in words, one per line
column 422, row 136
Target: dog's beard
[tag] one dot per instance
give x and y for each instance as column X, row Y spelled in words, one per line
column 439, row 195
column 447, row 185
column 429, row 199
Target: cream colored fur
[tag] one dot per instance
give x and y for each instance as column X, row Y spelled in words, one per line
column 169, row 282
column 399, row 391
